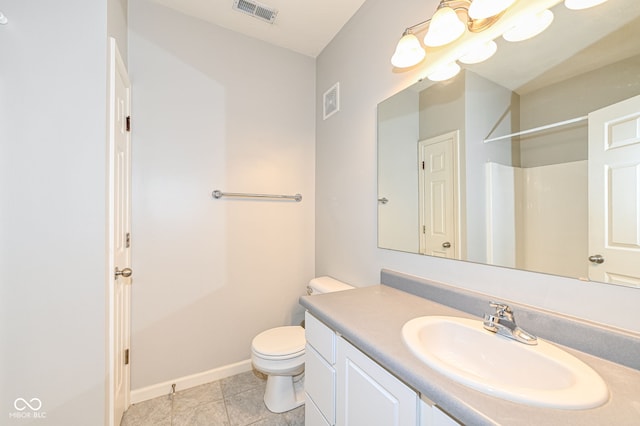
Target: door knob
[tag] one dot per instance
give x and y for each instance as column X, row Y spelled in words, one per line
column 596, row 259
column 446, row 244
column 126, row 272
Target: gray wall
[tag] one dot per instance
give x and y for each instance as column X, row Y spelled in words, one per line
column 568, row 99
column 213, row 109
column 398, row 128
column 346, row 196
column 53, row 209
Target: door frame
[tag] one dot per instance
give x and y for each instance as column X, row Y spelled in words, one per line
column 115, row 66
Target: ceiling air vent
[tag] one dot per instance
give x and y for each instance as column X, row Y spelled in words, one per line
column 255, row 9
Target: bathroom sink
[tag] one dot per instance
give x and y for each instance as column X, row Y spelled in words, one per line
column 542, row 375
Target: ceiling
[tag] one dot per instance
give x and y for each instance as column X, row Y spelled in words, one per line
column 576, row 42
column 304, row 26
column 608, row 32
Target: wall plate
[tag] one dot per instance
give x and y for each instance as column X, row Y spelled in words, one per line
column 331, row 101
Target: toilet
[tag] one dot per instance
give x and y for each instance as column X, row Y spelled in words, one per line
column 279, row 353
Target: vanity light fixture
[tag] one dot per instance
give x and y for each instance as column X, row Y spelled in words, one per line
column 445, row 27
column 454, row 18
column 479, row 53
column 483, row 9
column 582, row 4
column 408, row 51
column 450, row 21
column 530, row 26
column 445, row 72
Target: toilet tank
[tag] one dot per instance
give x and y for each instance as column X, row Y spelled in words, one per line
column 322, row 285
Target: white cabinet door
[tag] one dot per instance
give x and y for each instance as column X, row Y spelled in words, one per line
column 312, row 415
column 369, row 395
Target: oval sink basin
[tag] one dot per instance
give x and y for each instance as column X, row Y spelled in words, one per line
column 542, row 375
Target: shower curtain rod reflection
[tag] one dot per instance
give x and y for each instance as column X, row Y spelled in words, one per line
column 538, row 129
column 219, row 194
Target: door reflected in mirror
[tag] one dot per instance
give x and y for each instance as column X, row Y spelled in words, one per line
column 535, row 172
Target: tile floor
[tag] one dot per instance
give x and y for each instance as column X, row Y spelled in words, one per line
column 234, row 401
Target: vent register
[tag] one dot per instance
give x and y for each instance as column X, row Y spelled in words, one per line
column 255, row 9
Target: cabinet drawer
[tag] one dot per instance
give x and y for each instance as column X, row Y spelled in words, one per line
column 320, row 382
column 321, row 337
column 312, row 415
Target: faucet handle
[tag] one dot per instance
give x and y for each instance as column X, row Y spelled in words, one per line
column 502, row 310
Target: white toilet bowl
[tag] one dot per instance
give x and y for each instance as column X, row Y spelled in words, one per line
column 279, row 353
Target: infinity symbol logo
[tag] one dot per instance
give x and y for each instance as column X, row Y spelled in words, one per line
column 21, row 404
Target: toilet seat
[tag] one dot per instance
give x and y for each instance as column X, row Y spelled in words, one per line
column 279, row 343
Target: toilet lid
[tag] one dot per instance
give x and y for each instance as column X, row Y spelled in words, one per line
column 280, row 341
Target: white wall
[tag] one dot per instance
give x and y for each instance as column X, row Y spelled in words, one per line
column 398, row 135
column 489, row 110
column 558, row 244
column 346, row 181
column 117, row 25
column 53, row 209
column 215, row 110
column 503, row 188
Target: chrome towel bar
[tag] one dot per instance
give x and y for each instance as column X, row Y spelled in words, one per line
column 219, row 194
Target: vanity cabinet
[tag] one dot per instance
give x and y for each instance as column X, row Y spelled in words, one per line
column 344, row 387
column 320, row 373
column 367, row 394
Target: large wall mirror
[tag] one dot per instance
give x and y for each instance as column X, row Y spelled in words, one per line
column 530, row 160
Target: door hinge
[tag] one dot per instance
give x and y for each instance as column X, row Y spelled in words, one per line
column 128, row 125
column 423, row 165
column 424, row 229
column 126, row 357
column 127, row 240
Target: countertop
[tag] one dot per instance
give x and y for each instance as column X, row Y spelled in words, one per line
column 371, row 318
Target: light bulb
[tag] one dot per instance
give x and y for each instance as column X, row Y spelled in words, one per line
column 479, row 53
column 530, row 26
column 408, row 52
column 444, row 28
column 582, row 4
column 445, row 72
column 481, row 9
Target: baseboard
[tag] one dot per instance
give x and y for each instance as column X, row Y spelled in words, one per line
column 186, row 382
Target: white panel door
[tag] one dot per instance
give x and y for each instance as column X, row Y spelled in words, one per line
column 438, row 193
column 369, row 395
column 614, row 193
column 119, row 236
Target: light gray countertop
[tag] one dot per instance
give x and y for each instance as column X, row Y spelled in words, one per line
column 371, row 318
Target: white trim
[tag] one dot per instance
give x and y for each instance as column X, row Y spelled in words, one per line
column 115, row 66
column 186, row 382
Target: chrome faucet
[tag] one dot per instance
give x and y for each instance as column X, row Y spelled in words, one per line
column 503, row 323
